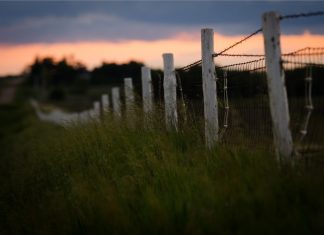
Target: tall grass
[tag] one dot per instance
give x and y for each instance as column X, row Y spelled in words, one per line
column 116, row 177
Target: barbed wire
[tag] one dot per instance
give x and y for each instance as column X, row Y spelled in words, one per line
column 294, row 53
column 298, row 52
column 238, row 42
column 304, row 54
column 238, row 64
column 242, row 55
column 198, row 62
column 320, row 50
column 305, row 49
column 303, row 63
column 188, row 67
column 260, row 68
column 309, row 14
column 292, row 16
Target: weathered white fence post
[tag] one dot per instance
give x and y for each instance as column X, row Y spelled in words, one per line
column 170, row 92
column 96, row 110
column 209, row 87
column 84, row 116
column 116, row 101
column 129, row 96
column 89, row 114
column 276, row 85
column 105, row 103
column 147, row 90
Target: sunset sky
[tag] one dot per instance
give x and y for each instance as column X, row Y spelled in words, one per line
column 94, row 32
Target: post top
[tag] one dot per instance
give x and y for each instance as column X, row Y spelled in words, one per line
column 167, row 57
column 167, row 54
column 145, row 69
column 207, row 29
column 271, row 14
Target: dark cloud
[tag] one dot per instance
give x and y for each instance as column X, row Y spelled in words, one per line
column 75, row 21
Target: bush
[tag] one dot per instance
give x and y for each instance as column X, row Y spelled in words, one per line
column 57, row 94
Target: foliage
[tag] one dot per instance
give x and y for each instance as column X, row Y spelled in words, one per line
column 53, row 73
column 135, row 177
column 57, row 93
column 46, row 74
column 114, row 73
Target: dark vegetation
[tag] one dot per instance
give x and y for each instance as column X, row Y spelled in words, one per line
column 131, row 176
column 111, row 178
column 57, row 79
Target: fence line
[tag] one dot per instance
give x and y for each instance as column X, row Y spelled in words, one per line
column 266, row 74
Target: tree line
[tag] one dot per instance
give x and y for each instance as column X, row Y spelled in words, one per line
column 54, row 76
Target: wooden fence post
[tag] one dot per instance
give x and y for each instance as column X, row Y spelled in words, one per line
column 170, row 92
column 209, row 87
column 96, row 110
column 276, row 85
column 105, row 103
column 129, row 96
column 147, row 90
column 116, row 101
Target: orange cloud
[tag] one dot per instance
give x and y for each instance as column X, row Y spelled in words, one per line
column 186, row 49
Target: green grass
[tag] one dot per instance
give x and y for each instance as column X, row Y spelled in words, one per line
column 113, row 178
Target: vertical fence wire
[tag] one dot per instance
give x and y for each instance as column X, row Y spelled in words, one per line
column 244, row 87
column 304, row 71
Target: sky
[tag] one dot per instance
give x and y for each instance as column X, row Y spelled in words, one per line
column 94, row 32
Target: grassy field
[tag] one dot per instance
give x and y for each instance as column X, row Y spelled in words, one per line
column 137, row 178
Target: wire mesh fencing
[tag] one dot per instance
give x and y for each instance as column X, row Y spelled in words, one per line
column 243, row 102
column 244, row 115
column 304, row 75
column 244, row 112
